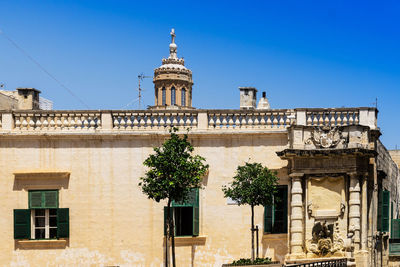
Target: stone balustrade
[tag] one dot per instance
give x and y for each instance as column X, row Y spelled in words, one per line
column 332, row 117
column 250, row 119
column 153, row 120
column 197, row 120
column 56, row 121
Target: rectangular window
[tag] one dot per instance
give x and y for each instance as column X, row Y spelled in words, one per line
column 44, row 223
column 43, row 219
column 185, row 215
column 183, row 97
column 164, row 96
column 173, row 96
column 276, row 216
column 383, row 210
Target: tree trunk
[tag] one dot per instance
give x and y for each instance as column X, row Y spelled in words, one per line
column 172, row 227
column 252, row 232
column 167, row 233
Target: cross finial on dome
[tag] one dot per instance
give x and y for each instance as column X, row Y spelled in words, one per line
column 172, row 45
column 173, row 35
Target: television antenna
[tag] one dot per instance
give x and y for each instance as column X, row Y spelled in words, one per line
column 141, row 76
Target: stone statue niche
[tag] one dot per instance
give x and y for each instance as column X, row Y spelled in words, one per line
column 326, row 210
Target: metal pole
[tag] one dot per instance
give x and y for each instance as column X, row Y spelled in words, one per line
column 257, row 240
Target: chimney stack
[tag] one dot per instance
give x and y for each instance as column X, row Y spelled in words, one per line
column 263, row 103
column 248, row 97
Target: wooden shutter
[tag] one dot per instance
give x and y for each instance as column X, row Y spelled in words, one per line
column 35, row 200
column 379, row 223
column 22, row 224
column 63, row 223
column 196, row 212
column 268, row 211
column 395, row 232
column 385, row 210
column 171, row 213
column 190, row 201
column 47, row 199
column 50, row 199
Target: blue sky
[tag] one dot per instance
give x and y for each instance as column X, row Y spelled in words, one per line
column 302, row 53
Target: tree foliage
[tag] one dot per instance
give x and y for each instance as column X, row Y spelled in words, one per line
column 173, row 170
column 252, row 185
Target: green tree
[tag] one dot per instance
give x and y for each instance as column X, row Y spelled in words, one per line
column 173, row 173
column 252, row 185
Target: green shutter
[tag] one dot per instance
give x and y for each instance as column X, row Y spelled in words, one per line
column 268, row 219
column 35, row 200
column 395, row 233
column 385, row 210
column 47, row 199
column 192, row 199
column 196, row 212
column 22, row 224
column 196, row 221
column 63, row 223
column 50, row 199
column 171, row 213
column 379, row 224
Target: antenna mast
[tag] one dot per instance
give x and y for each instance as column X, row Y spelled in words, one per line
column 141, row 76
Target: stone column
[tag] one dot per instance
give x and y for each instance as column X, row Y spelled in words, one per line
column 354, row 210
column 364, row 214
column 296, row 218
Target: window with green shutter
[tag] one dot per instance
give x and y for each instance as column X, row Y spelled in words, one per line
column 186, row 215
column 275, row 216
column 48, row 221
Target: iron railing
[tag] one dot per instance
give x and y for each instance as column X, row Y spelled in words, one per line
column 328, row 263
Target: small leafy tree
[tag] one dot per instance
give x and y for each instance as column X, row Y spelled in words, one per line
column 252, row 185
column 173, row 173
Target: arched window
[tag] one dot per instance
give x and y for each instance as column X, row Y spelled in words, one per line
column 183, row 97
column 164, row 96
column 173, row 102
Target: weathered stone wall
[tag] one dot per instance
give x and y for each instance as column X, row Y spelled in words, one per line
column 111, row 221
column 395, row 154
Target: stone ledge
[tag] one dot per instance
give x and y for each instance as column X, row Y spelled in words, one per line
column 41, row 244
column 189, row 241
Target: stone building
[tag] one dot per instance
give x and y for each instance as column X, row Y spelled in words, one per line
column 70, row 194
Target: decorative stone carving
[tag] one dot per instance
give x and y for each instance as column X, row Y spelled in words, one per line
column 326, row 239
column 326, row 137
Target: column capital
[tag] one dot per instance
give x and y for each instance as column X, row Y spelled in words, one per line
column 296, row 175
column 353, row 174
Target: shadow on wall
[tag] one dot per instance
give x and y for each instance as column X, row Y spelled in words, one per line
column 40, row 180
column 274, row 246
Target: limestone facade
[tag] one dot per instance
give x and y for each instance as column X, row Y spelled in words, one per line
column 337, row 175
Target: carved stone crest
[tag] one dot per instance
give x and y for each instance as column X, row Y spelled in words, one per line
column 326, row 137
column 326, row 239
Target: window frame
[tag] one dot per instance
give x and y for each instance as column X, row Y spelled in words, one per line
column 270, row 213
column 46, row 227
column 192, row 203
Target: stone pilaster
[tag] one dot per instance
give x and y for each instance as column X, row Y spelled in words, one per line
column 296, row 218
column 354, row 210
column 364, row 214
